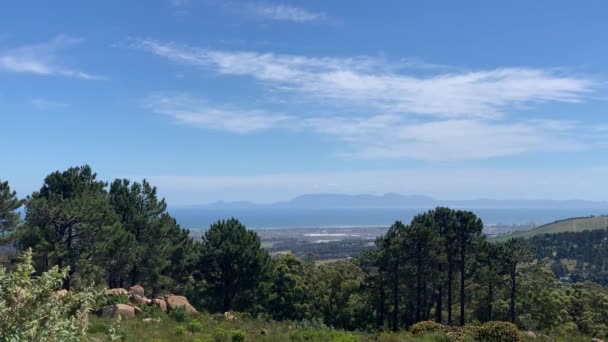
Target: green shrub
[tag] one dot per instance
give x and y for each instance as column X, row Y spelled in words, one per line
column 151, row 311
column 195, row 326
column 179, row 315
column 238, row 336
column 462, row 334
column 31, row 310
column 427, row 327
column 499, row 332
column 116, row 299
column 180, row 330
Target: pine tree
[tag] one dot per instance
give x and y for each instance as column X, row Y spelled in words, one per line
column 9, row 217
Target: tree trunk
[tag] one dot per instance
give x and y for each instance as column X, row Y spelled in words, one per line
column 382, row 309
column 490, row 300
column 512, row 305
column 396, row 296
column 462, row 276
column 438, row 308
column 450, row 276
column 418, row 287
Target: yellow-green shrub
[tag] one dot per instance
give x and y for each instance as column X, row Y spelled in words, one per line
column 427, row 327
column 499, row 332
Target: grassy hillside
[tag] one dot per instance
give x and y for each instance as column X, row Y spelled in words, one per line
column 577, row 224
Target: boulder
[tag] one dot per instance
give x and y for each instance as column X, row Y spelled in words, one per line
column 160, row 303
column 139, row 300
column 264, row 332
column 229, row 316
column 150, row 320
column 116, row 292
column 119, row 309
column 174, row 302
column 530, row 335
column 136, row 290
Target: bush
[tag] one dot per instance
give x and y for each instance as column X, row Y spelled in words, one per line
column 322, row 335
column 194, row 326
column 116, row 299
column 179, row 315
column 222, row 335
column 238, row 336
column 180, row 330
column 31, row 310
column 499, row 332
column 463, row 334
column 427, row 327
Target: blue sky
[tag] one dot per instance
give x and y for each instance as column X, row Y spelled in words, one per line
column 229, row 100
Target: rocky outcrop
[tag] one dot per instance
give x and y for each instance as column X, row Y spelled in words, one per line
column 123, row 310
column 116, row 292
column 136, row 290
column 139, row 300
column 174, row 302
column 159, row 303
column 229, row 316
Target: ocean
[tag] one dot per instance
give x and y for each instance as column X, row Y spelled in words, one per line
column 256, row 218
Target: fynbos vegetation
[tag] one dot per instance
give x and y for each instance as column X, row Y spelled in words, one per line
column 436, row 276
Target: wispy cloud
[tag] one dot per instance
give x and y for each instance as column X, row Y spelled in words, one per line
column 387, row 136
column 395, row 111
column 372, row 83
column 287, row 13
column 192, row 111
column 42, row 59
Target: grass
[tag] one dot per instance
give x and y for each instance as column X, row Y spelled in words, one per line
column 215, row 328
column 578, row 224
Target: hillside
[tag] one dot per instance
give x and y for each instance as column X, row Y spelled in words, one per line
column 575, row 224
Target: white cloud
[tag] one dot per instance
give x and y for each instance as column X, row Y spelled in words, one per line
column 41, row 59
column 372, row 83
column 287, row 13
column 196, row 112
column 388, row 136
column 393, row 111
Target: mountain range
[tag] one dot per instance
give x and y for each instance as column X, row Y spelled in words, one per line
column 393, row 200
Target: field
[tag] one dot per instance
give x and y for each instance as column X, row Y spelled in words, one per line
column 207, row 327
column 577, row 224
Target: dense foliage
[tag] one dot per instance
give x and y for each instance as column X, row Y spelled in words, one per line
column 438, row 268
column 579, row 256
column 32, row 310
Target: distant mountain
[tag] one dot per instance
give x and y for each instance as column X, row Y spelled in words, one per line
column 390, row 200
column 393, row 200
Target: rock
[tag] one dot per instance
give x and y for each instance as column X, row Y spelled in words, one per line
column 530, row 334
column 136, row 290
column 229, row 316
column 264, row 332
column 174, row 302
column 116, row 292
column 127, row 310
column 160, row 303
column 150, row 320
column 139, row 300
column 596, row 340
column 119, row 309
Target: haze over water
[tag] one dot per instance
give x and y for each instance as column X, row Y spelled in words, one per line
column 201, row 218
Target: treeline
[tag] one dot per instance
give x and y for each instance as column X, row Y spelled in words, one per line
column 439, row 267
column 579, row 255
